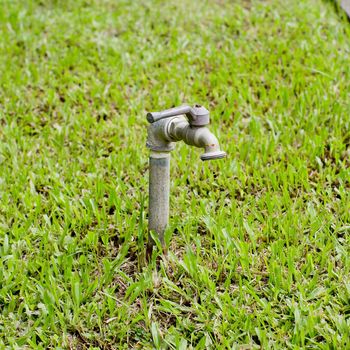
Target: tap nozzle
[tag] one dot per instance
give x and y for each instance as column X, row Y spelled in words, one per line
column 198, row 136
column 211, row 155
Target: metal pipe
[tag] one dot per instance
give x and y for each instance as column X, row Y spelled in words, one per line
column 159, row 189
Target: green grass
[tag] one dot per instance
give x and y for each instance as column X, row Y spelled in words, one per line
column 258, row 244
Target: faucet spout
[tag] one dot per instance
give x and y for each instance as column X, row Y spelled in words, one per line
column 198, row 136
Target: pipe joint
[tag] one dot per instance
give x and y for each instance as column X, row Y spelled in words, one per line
column 157, row 138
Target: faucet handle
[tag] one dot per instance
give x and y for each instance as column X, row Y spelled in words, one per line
column 197, row 115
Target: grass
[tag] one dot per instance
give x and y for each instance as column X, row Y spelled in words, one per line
column 258, row 244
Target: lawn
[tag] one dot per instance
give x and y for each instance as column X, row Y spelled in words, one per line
column 258, row 243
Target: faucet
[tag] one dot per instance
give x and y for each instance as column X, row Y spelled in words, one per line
column 167, row 127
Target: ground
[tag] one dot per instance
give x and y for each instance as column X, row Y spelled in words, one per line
column 258, row 244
